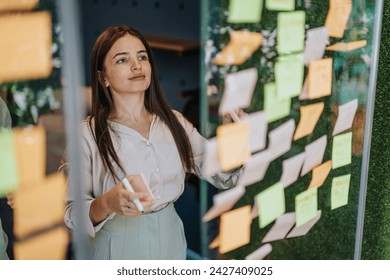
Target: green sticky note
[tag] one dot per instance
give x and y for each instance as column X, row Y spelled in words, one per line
column 271, row 204
column 248, row 11
column 289, row 76
column 305, row 206
column 9, row 179
column 342, row 150
column 291, row 32
column 275, row 108
column 280, row 5
column 340, row 190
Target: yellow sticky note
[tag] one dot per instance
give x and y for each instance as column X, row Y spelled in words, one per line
column 234, row 230
column 26, row 54
column 289, row 76
column 346, row 47
column 39, row 206
column 308, row 120
column 9, row 177
column 342, row 150
column 271, row 204
column 280, row 5
column 30, row 143
column 248, row 13
column 291, row 32
column 305, row 206
column 340, row 190
column 320, row 78
column 338, row 16
column 233, row 145
column 320, row 173
column 51, row 245
column 17, row 5
column 275, row 107
column 241, row 46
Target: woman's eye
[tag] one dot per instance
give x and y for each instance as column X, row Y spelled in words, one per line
column 120, row 61
column 143, row 57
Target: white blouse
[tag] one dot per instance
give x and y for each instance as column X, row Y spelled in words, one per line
column 157, row 158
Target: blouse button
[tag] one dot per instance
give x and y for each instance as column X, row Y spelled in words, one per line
column 158, row 197
column 147, row 143
column 157, row 169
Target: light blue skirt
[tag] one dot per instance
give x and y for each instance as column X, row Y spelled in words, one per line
column 154, row 236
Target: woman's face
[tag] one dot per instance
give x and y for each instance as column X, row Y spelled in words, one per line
column 127, row 68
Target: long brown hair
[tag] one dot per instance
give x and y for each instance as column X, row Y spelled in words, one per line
column 155, row 102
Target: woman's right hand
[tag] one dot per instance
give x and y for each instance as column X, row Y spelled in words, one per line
column 120, row 200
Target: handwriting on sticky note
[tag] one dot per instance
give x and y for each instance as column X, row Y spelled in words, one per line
column 233, row 145
column 280, row 5
column 271, row 204
column 340, row 191
column 234, row 230
column 320, row 78
column 308, row 120
column 346, row 47
column 342, row 150
column 320, row 173
column 305, row 206
column 9, row 177
column 338, row 16
column 248, row 13
column 289, row 76
column 241, row 46
column 238, row 91
column 275, row 107
column 291, row 32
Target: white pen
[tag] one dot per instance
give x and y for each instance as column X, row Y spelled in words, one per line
column 136, row 201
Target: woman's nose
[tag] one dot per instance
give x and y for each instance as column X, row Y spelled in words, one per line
column 136, row 65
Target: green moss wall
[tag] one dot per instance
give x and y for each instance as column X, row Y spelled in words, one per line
column 376, row 240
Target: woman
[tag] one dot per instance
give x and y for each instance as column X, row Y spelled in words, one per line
column 131, row 131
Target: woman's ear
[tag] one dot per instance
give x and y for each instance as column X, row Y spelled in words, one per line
column 102, row 80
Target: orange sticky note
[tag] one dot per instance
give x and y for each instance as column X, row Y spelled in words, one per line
column 346, row 47
column 320, row 173
column 241, row 46
column 17, row 5
column 26, row 53
column 233, row 145
column 215, row 243
column 308, row 120
column 39, row 206
column 30, row 143
column 234, row 230
column 338, row 16
column 51, row 245
column 320, row 78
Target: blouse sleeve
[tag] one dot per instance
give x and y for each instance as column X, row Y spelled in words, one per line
column 88, row 145
column 221, row 180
